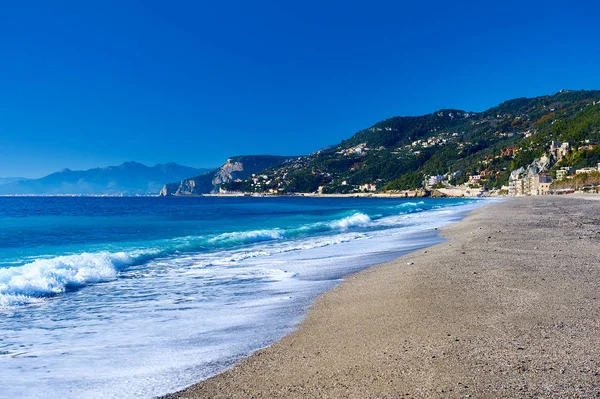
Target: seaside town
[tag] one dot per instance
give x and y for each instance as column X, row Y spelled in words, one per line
column 544, row 176
column 539, row 178
column 539, row 146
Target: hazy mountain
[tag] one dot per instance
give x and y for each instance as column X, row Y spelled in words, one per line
column 127, row 178
column 6, row 180
column 236, row 168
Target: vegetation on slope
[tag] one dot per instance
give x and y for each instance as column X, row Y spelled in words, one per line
column 400, row 152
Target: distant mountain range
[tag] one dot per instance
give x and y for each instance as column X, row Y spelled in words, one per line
column 129, row 178
column 6, row 180
column 396, row 154
column 235, row 169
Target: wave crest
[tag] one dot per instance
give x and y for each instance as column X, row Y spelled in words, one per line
column 45, row 277
column 242, row 237
column 356, row 220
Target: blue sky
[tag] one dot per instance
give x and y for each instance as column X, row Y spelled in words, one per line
column 85, row 84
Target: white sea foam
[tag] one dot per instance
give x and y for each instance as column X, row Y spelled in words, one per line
column 25, row 284
column 356, row 220
column 266, row 249
column 43, row 277
column 243, row 237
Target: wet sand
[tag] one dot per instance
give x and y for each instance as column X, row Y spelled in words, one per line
column 508, row 307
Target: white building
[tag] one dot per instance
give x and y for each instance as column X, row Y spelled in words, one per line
column 475, row 179
column 563, row 172
column 368, row 187
column 433, row 180
column 585, row 170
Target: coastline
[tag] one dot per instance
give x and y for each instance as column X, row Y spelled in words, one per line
column 447, row 193
column 200, row 313
column 508, row 307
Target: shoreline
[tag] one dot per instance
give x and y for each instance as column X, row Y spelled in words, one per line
column 195, row 321
column 435, row 238
column 480, row 315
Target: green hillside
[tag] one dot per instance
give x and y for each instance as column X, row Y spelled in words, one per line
column 398, row 153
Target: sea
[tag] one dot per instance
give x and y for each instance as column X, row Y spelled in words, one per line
column 138, row 297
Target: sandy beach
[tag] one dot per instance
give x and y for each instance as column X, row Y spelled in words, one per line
column 507, row 307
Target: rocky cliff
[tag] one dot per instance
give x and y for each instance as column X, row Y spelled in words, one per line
column 240, row 167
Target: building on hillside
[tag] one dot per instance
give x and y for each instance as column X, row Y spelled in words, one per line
column 563, row 172
column 433, row 180
column 457, row 174
column 559, row 150
column 588, row 147
column 585, row 170
column 474, row 179
column 529, row 181
column 368, row 187
column 507, row 152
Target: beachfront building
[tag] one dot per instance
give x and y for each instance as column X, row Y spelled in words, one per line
column 516, row 186
column 539, row 184
column 529, row 181
column 544, row 188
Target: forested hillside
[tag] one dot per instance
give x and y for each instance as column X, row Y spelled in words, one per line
column 400, row 152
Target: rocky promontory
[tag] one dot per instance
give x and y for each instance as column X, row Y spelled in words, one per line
column 239, row 167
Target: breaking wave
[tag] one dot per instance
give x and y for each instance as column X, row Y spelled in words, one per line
column 356, row 220
column 46, row 277
column 28, row 283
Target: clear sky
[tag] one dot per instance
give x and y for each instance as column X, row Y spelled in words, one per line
column 94, row 83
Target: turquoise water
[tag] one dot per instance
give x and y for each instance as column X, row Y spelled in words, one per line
column 136, row 297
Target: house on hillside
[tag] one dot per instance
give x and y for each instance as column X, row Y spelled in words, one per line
column 559, row 150
column 368, row 187
column 585, row 170
column 475, row 179
column 563, row 172
column 433, row 180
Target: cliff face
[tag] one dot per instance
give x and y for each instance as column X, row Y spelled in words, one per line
column 225, row 173
column 240, row 167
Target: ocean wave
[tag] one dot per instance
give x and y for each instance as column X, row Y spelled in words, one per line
column 356, row 220
column 408, row 204
column 47, row 277
column 44, row 277
column 248, row 237
column 237, row 256
column 20, row 285
column 242, row 237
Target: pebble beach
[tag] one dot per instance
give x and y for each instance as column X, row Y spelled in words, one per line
column 507, row 307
